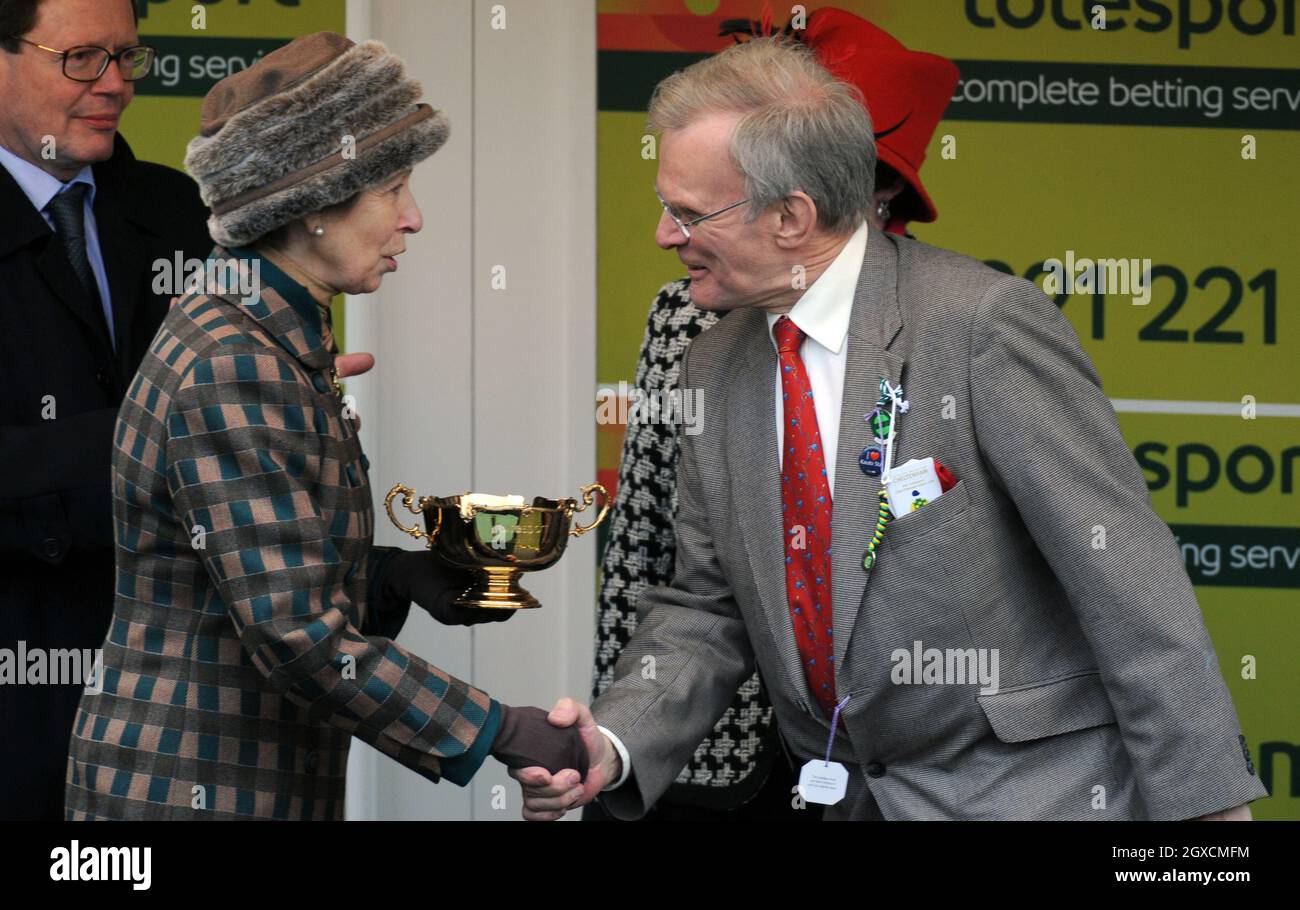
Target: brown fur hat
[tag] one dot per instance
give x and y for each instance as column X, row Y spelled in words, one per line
column 309, row 126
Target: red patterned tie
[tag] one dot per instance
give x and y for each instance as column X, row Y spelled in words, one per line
column 806, row 516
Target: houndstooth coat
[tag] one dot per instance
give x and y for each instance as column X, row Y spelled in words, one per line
column 249, row 642
column 732, row 763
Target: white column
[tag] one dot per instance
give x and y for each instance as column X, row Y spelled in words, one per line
column 535, row 341
column 482, row 388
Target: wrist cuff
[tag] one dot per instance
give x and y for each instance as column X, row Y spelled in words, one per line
column 461, row 769
column 623, row 758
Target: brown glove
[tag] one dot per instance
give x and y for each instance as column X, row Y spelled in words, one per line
column 526, row 739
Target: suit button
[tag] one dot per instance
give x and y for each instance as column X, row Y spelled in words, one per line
column 104, row 379
column 875, row 769
column 309, row 762
column 320, row 382
column 52, row 547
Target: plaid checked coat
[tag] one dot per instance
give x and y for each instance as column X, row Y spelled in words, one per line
column 248, row 642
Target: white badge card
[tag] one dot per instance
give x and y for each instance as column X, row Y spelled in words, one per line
column 823, row 782
column 912, row 485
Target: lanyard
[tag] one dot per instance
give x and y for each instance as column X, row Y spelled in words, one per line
column 885, row 428
column 835, row 722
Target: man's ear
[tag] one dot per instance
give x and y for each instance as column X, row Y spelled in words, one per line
column 798, row 219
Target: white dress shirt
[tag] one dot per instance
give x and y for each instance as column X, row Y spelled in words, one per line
column 823, row 312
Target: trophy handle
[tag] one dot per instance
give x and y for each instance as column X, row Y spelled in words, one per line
column 587, row 496
column 408, row 495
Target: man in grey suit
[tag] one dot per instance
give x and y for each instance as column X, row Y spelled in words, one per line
column 1041, row 560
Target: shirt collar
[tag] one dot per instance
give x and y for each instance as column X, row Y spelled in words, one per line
column 40, row 186
column 825, row 309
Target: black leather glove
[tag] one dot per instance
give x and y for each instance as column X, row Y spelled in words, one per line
column 418, row 576
column 526, row 739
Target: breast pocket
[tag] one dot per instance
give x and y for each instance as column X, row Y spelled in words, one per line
column 935, row 514
column 1038, row 710
column 931, row 569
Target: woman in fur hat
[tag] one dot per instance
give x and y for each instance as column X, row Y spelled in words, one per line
column 253, row 624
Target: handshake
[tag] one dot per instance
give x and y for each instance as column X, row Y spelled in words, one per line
column 561, row 760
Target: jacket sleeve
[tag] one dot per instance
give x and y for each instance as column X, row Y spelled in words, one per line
column 243, row 464
column 687, row 658
column 1051, row 440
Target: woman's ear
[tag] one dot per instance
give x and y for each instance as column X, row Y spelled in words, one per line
column 887, row 192
column 292, row 239
column 304, row 229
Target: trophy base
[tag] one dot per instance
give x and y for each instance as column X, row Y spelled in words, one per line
column 497, row 588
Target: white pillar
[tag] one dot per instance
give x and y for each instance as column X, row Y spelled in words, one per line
column 479, row 388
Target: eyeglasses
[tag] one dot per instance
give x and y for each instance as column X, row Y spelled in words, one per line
column 86, row 63
column 685, row 226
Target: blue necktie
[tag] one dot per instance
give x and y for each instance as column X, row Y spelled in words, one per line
column 68, row 211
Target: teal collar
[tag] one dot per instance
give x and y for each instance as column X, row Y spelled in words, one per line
column 283, row 307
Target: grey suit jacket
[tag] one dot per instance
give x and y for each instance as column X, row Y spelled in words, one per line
column 1111, row 703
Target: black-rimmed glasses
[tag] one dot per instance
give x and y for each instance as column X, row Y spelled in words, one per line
column 86, row 63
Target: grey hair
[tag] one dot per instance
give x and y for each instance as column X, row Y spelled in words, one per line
column 799, row 129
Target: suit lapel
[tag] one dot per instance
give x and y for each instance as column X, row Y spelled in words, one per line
column 756, row 487
column 21, row 224
column 24, row 226
column 873, row 326
column 755, row 469
column 52, row 264
column 128, row 233
column 125, row 258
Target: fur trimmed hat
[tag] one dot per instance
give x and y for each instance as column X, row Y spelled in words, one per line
column 309, row 126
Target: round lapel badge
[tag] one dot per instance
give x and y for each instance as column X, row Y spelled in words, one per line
column 871, row 461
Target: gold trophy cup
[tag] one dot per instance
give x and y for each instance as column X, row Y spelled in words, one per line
column 497, row 537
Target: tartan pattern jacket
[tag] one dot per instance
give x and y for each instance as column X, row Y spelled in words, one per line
column 249, row 642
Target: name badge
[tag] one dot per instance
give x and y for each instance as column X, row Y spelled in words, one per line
column 823, row 782
column 911, row 485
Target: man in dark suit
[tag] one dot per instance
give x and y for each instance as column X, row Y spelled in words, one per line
column 82, row 224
